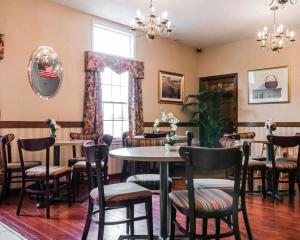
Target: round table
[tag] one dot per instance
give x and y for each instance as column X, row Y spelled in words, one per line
column 154, row 154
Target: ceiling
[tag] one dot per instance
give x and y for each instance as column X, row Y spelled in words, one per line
column 198, row 23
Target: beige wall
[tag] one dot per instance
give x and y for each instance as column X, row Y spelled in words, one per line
column 239, row 57
column 28, row 24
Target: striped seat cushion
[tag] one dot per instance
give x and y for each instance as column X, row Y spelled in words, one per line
column 206, row 200
column 41, row 171
column 213, row 183
column 150, row 181
column 256, row 163
column 82, row 165
column 282, row 163
column 146, row 142
column 16, row 166
column 121, row 192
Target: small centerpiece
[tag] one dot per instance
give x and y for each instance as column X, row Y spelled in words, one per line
column 53, row 127
column 171, row 137
column 156, row 128
column 271, row 126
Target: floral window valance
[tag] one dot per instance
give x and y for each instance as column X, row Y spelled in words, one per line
column 98, row 61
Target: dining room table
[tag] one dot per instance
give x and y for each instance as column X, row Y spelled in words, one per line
column 154, row 154
column 64, row 143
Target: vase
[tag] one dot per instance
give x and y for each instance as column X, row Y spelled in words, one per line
column 53, row 134
column 170, row 148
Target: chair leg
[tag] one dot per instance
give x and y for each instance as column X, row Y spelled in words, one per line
column 88, row 220
column 131, row 216
column 218, row 226
column 274, row 185
column 47, row 196
column 187, row 223
column 250, row 180
column 292, row 184
column 128, row 223
column 4, row 187
column 246, row 219
column 8, row 183
column 235, row 221
column 173, row 218
column 101, row 224
column 69, row 187
column 74, row 185
column 263, row 182
column 148, row 206
column 204, row 228
column 21, row 198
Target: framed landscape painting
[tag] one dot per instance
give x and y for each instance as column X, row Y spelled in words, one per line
column 170, row 87
column 269, row 85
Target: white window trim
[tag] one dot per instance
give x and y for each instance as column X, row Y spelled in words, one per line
column 116, row 28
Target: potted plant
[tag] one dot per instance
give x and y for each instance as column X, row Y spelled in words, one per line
column 206, row 110
column 53, row 127
column 271, row 126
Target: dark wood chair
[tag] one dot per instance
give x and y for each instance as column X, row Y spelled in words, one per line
column 42, row 175
column 208, row 203
column 282, row 165
column 80, row 136
column 256, row 163
column 120, row 195
column 227, row 184
column 11, row 170
column 79, row 168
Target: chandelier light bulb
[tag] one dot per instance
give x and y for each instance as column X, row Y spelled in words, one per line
column 165, row 15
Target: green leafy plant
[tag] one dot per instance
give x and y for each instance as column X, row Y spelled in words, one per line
column 206, row 110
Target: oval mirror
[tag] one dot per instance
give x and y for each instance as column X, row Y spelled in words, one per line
column 45, row 72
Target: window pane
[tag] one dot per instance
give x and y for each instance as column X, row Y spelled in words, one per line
column 124, row 79
column 125, row 111
column 117, row 129
column 106, row 76
column 115, row 78
column 124, row 94
column 116, row 95
column 112, row 41
column 106, row 93
column 117, row 111
column 125, row 126
column 107, row 111
column 108, row 127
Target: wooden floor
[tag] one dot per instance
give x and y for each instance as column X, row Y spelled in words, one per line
column 276, row 221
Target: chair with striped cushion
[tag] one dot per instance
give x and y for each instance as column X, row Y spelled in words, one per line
column 207, row 203
column 11, row 170
column 281, row 165
column 79, row 168
column 42, row 175
column 114, row 196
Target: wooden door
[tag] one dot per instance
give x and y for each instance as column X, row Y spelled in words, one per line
column 230, row 108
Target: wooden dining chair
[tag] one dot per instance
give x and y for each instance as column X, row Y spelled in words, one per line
column 208, row 203
column 42, row 175
column 79, row 168
column 120, row 195
column 227, row 184
column 283, row 165
column 11, row 170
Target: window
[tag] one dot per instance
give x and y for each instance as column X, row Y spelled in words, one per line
column 114, row 86
column 113, row 41
column 115, row 102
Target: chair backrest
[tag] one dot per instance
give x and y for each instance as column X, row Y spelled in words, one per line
column 242, row 135
column 107, row 139
column 124, row 139
column 190, row 136
column 284, row 142
column 209, row 160
column 96, row 153
column 5, row 142
column 35, row 145
column 83, row 136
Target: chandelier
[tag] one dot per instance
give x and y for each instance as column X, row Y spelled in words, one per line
column 276, row 39
column 279, row 2
column 152, row 25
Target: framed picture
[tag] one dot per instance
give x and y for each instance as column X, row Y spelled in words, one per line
column 268, row 85
column 170, row 87
column 1, row 47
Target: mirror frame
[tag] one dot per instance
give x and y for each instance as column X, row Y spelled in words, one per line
column 33, row 59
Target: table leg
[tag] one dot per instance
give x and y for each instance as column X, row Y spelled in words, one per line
column 56, row 154
column 164, row 200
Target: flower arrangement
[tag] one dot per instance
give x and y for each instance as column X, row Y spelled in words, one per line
column 53, row 126
column 270, row 125
column 171, row 137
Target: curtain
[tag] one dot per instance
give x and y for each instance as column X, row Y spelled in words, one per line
column 94, row 64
